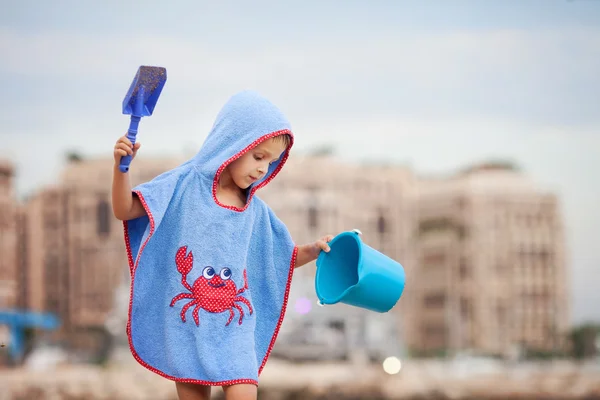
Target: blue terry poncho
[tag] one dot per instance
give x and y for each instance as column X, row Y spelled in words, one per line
column 210, row 282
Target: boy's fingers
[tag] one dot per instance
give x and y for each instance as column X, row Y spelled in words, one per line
column 327, row 238
column 124, row 147
column 125, row 140
column 323, row 245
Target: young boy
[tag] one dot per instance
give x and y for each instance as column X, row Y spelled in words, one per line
column 211, row 264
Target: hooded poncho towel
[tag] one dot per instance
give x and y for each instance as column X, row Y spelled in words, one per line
column 210, row 282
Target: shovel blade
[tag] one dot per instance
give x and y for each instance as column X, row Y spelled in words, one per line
column 144, row 91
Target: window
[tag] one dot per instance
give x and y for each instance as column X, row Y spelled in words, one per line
column 313, row 215
column 381, row 224
column 337, row 325
column 463, row 269
column 545, row 257
column 50, row 219
column 466, row 308
column 435, row 224
column 435, row 335
column 103, row 217
column 434, row 300
column 434, row 258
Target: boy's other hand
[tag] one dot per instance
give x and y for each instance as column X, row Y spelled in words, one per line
column 322, row 244
column 310, row 252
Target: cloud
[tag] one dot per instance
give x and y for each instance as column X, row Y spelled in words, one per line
column 492, row 72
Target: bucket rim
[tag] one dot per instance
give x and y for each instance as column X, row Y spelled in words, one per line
column 322, row 256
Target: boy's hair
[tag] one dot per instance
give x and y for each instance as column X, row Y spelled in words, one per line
column 285, row 138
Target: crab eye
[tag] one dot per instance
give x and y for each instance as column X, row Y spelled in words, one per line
column 225, row 274
column 208, row 272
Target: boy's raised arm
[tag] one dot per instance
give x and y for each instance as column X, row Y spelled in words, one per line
column 126, row 205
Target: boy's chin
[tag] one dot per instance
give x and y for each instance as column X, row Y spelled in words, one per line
column 243, row 185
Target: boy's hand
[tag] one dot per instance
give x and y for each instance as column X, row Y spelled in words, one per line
column 123, row 148
column 310, row 252
column 321, row 244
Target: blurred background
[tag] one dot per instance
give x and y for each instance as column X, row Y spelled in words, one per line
column 461, row 137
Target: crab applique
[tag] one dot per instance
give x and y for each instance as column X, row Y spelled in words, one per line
column 212, row 292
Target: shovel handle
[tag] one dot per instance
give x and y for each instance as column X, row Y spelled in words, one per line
column 131, row 134
column 136, row 115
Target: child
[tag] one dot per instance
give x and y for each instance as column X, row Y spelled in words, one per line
column 211, row 264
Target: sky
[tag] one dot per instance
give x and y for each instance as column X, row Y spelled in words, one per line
column 433, row 84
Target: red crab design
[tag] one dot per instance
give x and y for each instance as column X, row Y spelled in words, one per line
column 213, row 292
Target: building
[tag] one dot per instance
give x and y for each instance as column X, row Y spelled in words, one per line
column 8, row 237
column 317, row 195
column 483, row 252
column 73, row 247
column 491, row 273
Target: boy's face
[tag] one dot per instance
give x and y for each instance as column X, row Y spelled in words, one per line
column 254, row 164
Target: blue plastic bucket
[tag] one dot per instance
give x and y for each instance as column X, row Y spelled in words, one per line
column 356, row 274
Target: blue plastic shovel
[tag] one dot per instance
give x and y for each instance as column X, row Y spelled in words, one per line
column 140, row 101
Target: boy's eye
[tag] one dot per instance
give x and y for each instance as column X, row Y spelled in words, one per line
column 258, row 158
